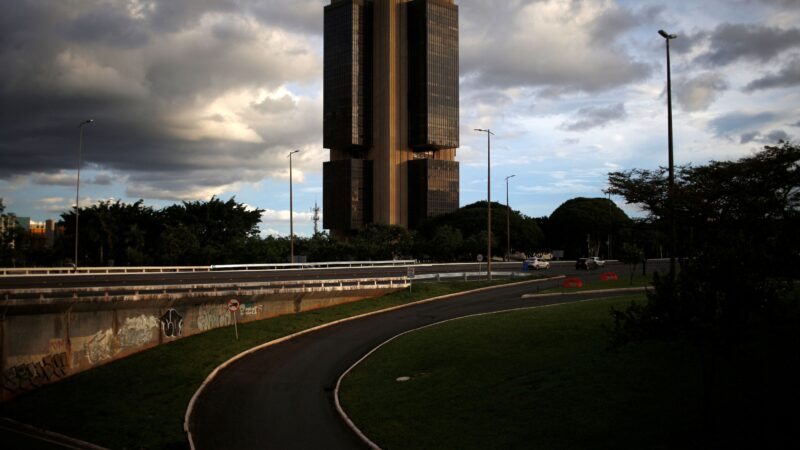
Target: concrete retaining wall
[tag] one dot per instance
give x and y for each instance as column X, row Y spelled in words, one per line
column 42, row 342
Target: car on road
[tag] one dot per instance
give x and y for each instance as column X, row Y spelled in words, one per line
column 585, row 264
column 598, row 261
column 535, row 264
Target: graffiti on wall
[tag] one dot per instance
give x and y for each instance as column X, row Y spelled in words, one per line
column 213, row 316
column 250, row 310
column 137, row 331
column 27, row 376
column 98, row 347
column 173, row 323
column 57, row 345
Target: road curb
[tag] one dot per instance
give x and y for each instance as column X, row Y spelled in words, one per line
column 46, row 435
column 596, row 291
column 227, row 363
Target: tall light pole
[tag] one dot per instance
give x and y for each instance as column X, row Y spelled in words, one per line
column 508, row 222
column 610, row 224
column 488, row 200
column 671, row 187
column 78, row 186
column 291, row 213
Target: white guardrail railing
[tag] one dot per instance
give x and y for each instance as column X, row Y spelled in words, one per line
column 216, row 267
column 200, row 289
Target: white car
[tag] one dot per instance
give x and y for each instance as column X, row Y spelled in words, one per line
column 537, row 264
column 598, row 261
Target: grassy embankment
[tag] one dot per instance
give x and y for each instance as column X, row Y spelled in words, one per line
column 139, row 401
column 539, row 378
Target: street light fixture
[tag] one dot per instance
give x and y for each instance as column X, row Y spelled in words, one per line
column 78, row 186
column 508, row 222
column 488, row 200
column 291, row 214
column 671, row 186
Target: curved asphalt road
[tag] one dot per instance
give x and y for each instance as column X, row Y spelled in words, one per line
column 281, row 397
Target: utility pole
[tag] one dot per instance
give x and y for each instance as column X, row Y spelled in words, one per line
column 78, row 187
column 488, row 201
column 671, row 189
column 508, row 222
column 291, row 212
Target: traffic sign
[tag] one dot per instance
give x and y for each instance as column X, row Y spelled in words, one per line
column 480, row 258
column 233, row 305
column 410, row 272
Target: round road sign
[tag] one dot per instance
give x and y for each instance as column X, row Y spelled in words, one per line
column 480, row 258
column 233, row 305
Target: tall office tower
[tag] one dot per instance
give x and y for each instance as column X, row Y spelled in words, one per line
column 390, row 112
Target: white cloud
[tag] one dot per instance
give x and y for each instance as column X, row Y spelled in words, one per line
column 699, row 92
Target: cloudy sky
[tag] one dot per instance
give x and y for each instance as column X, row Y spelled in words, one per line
column 194, row 98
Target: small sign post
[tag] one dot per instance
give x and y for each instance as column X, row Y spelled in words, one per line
column 410, row 275
column 233, row 306
column 480, row 259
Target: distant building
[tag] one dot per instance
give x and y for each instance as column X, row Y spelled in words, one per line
column 46, row 229
column 391, row 111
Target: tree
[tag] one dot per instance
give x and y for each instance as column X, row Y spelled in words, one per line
column 114, row 232
column 571, row 223
column 382, row 242
column 446, row 244
column 470, row 221
column 9, row 236
column 631, row 255
column 734, row 296
column 221, row 229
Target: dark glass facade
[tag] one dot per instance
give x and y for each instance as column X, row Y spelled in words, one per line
column 432, row 189
column 347, row 90
column 347, row 194
column 433, row 74
column 390, row 112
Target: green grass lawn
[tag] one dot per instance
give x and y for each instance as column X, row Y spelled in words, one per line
column 539, row 378
column 140, row 401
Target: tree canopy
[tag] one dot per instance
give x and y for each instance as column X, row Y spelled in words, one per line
column 461, row 234
column 735, row 293
column 571, row 223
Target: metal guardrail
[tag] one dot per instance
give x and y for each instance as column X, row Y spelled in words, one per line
column 147, row 292
column 10, row 271
column 316, row 265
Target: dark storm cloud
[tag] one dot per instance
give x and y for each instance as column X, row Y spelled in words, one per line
column 596, row 116
column 773, row 137
column 303, row 16
column 175, row 15
column 176, row 88
column 782, row 4
column 733, row 42
column 740, row 121
column 108, row 25
column 788, row 76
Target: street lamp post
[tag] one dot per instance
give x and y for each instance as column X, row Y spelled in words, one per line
column 488, row 200
column 78, row 186
column 508, row 222
column 671, row 186
column 291, row 213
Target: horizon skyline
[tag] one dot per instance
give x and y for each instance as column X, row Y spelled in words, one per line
column 205, row 98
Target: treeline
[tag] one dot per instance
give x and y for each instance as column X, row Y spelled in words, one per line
column 226, row 232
